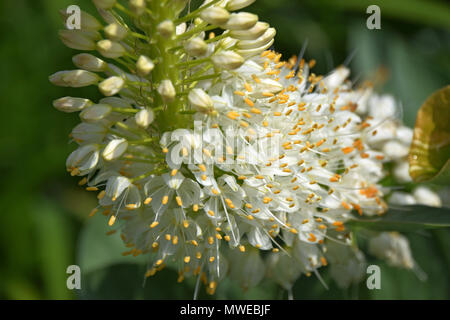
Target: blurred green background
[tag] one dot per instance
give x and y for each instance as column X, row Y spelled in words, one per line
column 43, row 219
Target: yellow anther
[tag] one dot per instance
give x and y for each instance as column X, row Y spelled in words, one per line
column 154, row 224
column 93, row 212
column 112, row 220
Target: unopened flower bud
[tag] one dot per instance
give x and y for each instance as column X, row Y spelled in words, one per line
column 89, row 62
column 227, row 60
column 74, row 78
column 137, row 6
column 115, row 31
column 247, row 53
column 259, row 42
column 70, row 104
column 234, row 5
column 215, row 15
column 144, row 65
column 241, row 21
column 167, row 91
column 79, row 39
column 95, row 112
column 110, row 49
column 195, row 47
column 83, row 160
column 144, row 118
column 166, row 28
column 111, row 86
column 251, row 34
column 427, row 197
column 114, row 149
column 104, row 4
column 393, row 247
column 200, row 100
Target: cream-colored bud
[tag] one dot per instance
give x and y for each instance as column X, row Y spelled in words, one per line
column 259, row 42
column 227, row 60
column 392, row 247
column 87, row 21
column 241, row 21
column 111, row 86
column 167, row 91
column 95, row 112
column 74, row 78
column 200, row 100
column 110, row 49
column 71, row 104
column 181, row 28
column 114, row 149
column 144, row 117
column 166, row 28
column 144, row 65
column 195, row 47
column 247, row 53
column 137, row 6
column 89, row 62
column 79, row 39
column 427, row 197
column 115, row 31
column 215, row 15
column 251, row 34
column 104, row 4
column 234, row 5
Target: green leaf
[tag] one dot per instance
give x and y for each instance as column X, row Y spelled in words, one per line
column 429, row 156
column 408, row 218
column 96, row 250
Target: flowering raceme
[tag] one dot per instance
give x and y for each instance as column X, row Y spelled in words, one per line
column 209, row 150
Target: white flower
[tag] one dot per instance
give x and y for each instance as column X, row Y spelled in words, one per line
column 213, row 149
column 114, row 149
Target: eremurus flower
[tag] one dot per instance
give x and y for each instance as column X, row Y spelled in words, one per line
column 209, row 148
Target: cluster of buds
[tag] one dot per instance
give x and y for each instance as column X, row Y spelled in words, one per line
column 209, row 149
